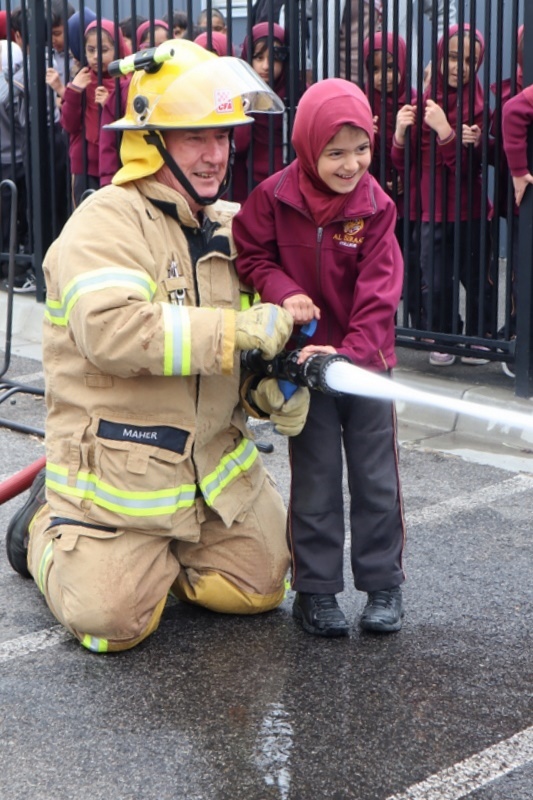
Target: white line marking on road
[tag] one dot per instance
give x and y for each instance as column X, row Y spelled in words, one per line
column 23, row 645
column 467, row 502
column 471, row 774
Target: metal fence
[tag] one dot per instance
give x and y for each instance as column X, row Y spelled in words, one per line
column 466, row 249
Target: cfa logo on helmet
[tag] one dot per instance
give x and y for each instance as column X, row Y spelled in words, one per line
column 223, row 101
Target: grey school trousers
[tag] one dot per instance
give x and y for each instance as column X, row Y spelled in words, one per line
column 367, row 429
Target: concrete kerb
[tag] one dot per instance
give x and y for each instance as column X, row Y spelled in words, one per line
column 438, row 428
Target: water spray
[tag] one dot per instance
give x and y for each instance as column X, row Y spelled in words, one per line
column 335, row 374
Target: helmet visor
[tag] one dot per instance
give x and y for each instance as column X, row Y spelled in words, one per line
column 212, row 94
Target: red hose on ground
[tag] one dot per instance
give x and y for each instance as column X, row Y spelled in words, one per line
column 20, row 481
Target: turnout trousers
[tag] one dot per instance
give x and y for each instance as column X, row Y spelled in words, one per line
column 109, row 587
column 367, row 429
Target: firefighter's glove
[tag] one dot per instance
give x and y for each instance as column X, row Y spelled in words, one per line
column 289, row 415
column 265, row 327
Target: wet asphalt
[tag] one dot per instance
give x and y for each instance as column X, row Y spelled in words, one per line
column 215, row 707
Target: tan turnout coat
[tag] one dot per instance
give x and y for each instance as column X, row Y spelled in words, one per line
column 142, row 379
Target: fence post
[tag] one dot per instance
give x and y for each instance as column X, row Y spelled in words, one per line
column 40, row 130
column 524, row 318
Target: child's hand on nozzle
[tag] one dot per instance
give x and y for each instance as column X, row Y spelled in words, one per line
column 101, row 95
column 405, row 117
column 82, row 79
column 311, row 349
column 520, row 184
column 435, row 117
column 301, row 308
column 471, row 134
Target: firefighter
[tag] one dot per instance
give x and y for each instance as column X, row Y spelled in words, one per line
column 153, row 482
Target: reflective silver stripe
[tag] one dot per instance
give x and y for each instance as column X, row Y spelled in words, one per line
column 177, row 353
column 95, row 644
column 230, row 467
column 58, row 311
column 135, row 504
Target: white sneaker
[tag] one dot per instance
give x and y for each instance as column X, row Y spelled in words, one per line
column 441, row 359
column 26, row 284
column 472, row 360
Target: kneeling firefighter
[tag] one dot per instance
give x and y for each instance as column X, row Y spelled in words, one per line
column 153, row 482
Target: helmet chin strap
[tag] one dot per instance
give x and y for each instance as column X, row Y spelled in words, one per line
column 154, row 138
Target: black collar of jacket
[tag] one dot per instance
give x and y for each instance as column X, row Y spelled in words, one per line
column 202, row 240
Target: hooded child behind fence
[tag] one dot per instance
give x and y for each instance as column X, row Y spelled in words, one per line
column 452, row 106
column 253, row 151
column 83, row 100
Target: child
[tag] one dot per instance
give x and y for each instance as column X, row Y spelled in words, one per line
column 128, row 26
column 145, row 37
column 385, row 104
column 318, row 239
column 12, row 131
column 517, row 117
column 218, row 21
column 504, row 206
column 254, row 151
column 218, row 44
column 441, row 114
column 83, row 125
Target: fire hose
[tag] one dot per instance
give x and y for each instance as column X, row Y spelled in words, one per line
column 335, row 374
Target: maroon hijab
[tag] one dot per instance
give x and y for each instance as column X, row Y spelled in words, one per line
column 323, row 110
column 261, row 31
column 219, row 43
column 451, row 93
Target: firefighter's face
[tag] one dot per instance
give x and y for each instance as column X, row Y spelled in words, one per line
column 202, row 156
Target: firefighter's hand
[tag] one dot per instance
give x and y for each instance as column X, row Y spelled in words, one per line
column 264, row 326
column 289, row 415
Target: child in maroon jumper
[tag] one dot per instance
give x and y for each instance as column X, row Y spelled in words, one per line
column 443, row 115
column 318, row 239
column 504, row 209
column 385, row 102
column 257, row 158
column 82, row 123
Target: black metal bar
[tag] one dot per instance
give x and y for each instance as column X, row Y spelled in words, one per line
column 524, row 348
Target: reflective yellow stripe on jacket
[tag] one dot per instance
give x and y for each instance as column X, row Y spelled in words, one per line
column 177, row 353
column 58, row 311
column 230, row 467
column 161, row 501
column 133, row 504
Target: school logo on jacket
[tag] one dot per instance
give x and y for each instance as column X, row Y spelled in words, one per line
column 349, row 237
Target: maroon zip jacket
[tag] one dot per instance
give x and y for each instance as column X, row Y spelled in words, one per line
column 72, row 121
column 517, row 116
column 352, row 268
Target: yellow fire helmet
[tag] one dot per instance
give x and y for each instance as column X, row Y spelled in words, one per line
column 180, row 85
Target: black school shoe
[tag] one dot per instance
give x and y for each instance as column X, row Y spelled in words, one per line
column 17, row 532
column 383, row 611
column 320, row 614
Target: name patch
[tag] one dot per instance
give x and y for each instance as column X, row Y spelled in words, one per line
column 173, row 439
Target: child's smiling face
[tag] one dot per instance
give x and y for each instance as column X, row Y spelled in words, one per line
column 345, row 159
column 460, row 73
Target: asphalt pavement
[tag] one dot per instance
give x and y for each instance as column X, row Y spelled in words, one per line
column 215, row 707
